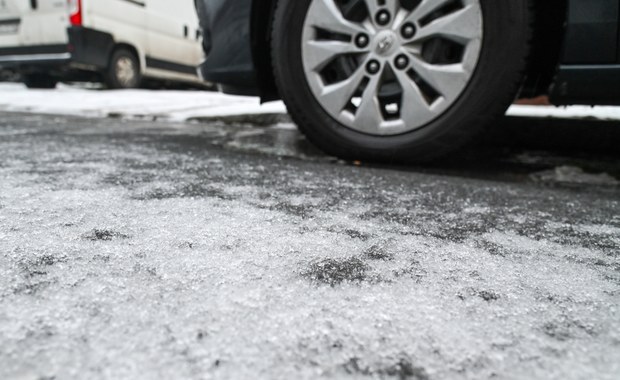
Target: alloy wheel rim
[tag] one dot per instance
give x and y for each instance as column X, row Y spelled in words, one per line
column 387, row 67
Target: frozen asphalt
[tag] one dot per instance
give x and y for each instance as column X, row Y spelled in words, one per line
column 137, row 250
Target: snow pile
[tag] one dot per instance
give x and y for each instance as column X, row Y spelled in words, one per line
column 167, row 105
column 185, row 105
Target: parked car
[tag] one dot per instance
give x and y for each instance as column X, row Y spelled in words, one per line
column 120, row 42
column 410, row 79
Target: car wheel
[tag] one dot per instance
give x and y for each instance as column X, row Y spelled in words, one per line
column 40, row 81
column 123, row 70
column 398, row 79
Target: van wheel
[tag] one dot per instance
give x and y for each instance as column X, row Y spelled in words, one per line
column 398, row 80
column 124, row 70
column 40, row 81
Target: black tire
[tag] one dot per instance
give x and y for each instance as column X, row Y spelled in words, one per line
column 116, row 78
column 40, row 81
column 492, row 88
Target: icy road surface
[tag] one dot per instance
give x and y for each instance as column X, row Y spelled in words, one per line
column 151, row 251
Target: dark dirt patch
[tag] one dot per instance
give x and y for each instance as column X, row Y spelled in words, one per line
column 187, row 245
column 492, row 248
column 350, row 232
column 413, row 270
column 488, row 295
column 32, row 288
column 354, row 234
column 262, row 120
column 188, row 191
column 302, row 211
column 336, row 271
column 566, row 328
column 402, row 369
column 45, row 260
column 101, row 258
column 38, row 266
column 104, row 235
column 379, row 252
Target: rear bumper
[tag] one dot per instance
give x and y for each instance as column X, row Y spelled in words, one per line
column 16, row 57
column 87, row 49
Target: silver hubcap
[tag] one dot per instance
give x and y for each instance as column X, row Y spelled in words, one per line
column 384, row 67
column 126, row 72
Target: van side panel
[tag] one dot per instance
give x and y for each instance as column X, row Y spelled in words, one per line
column 174, row 32
column 174, row 49
column 10, row 23
column 52, row 18
column 39, row 23
column 126, row 21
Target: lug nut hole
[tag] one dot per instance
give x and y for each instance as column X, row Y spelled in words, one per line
column 373, row 67
column 383, row 18
column 362, row 41
column 408, row 31
column 401, row 62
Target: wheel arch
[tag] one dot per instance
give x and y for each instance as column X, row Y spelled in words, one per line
column 550, row 17
column 261, row 23
column 133, row 49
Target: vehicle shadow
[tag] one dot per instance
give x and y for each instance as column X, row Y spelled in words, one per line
column 570, row 151
column 601, row 137
column 562, row 150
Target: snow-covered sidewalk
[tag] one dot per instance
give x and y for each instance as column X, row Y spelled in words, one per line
column 185, row 105
column 166, row 105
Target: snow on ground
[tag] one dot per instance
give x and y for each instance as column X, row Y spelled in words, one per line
column 184, row 105
column 572, row 112
column 168, row 105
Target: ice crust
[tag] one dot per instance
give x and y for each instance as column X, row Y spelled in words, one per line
column 141, row 257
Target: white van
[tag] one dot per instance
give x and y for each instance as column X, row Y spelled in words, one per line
column 119, row 42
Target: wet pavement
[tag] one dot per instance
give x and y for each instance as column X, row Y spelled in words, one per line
column 225, row 249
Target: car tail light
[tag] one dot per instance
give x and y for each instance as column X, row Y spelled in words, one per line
column 75, row 12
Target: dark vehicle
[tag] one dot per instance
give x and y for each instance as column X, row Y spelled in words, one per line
column 410, row 79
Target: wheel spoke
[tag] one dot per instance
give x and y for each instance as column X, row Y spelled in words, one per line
column 326, row 15
column 461, row 26
column 413, row 104
column 320, row 53
column 425, row 8
column 335, row 97
column 368, row 116
column 448, row 80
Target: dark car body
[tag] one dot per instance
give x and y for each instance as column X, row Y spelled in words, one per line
column 575, row 54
